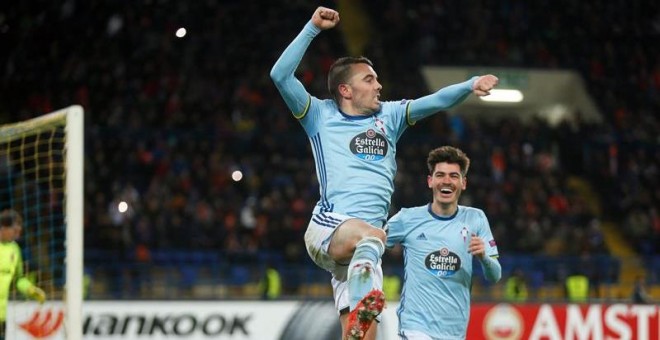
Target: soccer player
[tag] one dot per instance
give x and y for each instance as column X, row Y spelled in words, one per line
column 439, row 241
column 11, row 264
column 353, row 138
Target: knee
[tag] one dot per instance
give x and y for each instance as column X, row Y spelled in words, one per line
column 375, row 232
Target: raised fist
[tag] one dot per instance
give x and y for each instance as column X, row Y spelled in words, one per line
column 325, row 18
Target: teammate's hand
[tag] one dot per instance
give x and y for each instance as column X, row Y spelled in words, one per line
column 484, row 84
column 325, row 18
column 37, row 294
column 476, row 247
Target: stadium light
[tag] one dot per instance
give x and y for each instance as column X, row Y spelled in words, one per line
column 504, row 96
column 181, row 32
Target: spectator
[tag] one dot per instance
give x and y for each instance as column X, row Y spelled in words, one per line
column 639, row 295
column 516, row 286
column 270, row 285
column 577, row 287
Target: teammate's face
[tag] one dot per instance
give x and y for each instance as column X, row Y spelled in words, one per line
column 363, row 89
column 447, row 183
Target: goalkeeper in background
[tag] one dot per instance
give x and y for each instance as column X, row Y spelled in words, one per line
column 11, row 264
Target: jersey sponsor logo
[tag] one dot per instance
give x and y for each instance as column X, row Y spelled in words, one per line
column 492, row 243
column 421, row 237
column 42, row 325
column 370, row 145
column 443, row 263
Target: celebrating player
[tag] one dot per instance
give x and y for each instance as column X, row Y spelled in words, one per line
column 439, row 241
column 353, row 138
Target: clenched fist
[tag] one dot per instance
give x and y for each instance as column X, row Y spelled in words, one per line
column 484, row 84
column 325, row 18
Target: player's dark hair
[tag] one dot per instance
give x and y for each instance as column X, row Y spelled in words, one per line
column 340, row 72
column 9, row 217
column 448, row 154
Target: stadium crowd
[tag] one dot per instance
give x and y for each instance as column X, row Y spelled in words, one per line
column 168, row 120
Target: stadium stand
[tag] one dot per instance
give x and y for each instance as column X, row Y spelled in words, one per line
column 169, row 120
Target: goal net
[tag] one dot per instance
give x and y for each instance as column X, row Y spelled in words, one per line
column 41, row 179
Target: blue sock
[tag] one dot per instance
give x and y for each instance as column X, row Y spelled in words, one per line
column 361, row 269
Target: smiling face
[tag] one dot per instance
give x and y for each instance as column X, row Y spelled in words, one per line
column 447, row 184
column 362, row 91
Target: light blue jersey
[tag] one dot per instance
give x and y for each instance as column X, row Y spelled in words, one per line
column 438, row 268
column 354, row 156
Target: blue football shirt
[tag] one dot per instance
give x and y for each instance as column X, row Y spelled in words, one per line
column 437, row 268
column 354, row 156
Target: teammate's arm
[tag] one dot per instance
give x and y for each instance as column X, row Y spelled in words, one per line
column 490, row 265
column 394, row 228
column 292, row 90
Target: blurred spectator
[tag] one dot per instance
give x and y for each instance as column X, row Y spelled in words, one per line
column 516, row 286
column 639, row 295
column 392, row 287
column 270, row 285
column 577, row 287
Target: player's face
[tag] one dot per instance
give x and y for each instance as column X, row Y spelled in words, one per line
column 447, row 183
column 364, row 89
column 7, row 234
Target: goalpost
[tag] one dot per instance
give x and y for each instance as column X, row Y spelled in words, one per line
column 41, row 178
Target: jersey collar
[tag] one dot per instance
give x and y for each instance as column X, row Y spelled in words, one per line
column 442, row 218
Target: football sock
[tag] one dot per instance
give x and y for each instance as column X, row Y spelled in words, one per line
column 361, row 269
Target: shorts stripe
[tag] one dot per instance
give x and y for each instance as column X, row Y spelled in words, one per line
column 326, row 221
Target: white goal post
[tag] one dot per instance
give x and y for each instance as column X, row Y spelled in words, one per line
column 43, row 167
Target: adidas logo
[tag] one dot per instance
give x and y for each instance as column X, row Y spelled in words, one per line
column 421, row 237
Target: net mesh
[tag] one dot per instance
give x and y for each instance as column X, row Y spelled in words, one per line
column 32, row 182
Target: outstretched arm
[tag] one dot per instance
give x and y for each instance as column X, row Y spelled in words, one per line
column 450, row 96
column 291, row 89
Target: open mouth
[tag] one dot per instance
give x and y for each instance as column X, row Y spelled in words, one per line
column 446, row 191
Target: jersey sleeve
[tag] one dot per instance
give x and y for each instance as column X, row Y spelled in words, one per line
column 23, row 284
column 441, row 100
column 395, row 229
column 19, row 263
column 397, row 115
column 283, row 72
column 313, row 114
column 487, row 235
